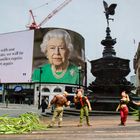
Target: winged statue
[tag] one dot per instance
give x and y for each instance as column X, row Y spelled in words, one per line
column 109, row 10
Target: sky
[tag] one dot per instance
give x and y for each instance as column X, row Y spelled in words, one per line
column 83, row 16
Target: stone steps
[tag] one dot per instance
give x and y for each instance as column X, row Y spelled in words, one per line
column 76, row 112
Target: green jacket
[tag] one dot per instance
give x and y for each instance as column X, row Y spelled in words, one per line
column 45, row 74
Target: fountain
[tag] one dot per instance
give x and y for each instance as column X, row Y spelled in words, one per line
column 109, row 71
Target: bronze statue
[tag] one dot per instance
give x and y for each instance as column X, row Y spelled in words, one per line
column 109, row 10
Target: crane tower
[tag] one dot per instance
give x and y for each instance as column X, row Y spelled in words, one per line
column 34, row 25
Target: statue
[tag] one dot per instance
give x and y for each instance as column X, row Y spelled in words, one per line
column 109, row 10
column 110, row 71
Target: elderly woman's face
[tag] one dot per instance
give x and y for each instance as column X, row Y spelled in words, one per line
column 57, row 52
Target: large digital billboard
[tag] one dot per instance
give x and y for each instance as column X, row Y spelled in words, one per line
column 58, row 57
column 16, row 51
column 46, row 55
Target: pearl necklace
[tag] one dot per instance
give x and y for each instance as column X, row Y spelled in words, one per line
column 58, row 76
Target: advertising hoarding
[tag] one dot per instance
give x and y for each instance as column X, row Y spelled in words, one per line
column 59, row 56
column 16, row 53
column 46, row 55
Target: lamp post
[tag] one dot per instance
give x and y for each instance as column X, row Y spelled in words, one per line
column 4, row 92
column 85, row 74
column 79, row 68
column 39, row 95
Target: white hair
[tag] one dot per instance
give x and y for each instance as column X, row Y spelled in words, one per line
column 56, row 33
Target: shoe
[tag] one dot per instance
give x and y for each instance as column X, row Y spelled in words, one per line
column 59, row 124
column 49, row 126
column 79, row 125
column 121, row 124
column 89, row 124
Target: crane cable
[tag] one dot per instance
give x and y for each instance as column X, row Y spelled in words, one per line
column 47, row 3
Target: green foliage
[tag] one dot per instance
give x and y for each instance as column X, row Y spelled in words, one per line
column 27, row 122
column 136, row 112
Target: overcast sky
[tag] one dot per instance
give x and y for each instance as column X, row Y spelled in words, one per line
column 83, row 16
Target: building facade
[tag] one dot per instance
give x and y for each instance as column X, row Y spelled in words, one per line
column 137, row 69
column 50, row 90
column 32, row 93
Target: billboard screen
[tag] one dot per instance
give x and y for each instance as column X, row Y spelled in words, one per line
column 58, row 56
column 46, row 55
column 16, row 51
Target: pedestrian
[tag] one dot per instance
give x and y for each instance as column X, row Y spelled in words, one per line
column 44, row 104
column 59, row 101
column 6, row 101
column 123, row 107
column 85, row 106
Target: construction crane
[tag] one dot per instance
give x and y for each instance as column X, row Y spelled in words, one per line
column 34, row 25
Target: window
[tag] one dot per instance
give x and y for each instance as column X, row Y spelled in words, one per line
column 57, row 89
column 45, row 89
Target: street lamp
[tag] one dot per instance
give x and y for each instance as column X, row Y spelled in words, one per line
column 85, row 74
column 39, row 95
column 80, row 69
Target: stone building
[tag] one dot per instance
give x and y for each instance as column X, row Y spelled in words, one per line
column 137, row 69
column 32, row 93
